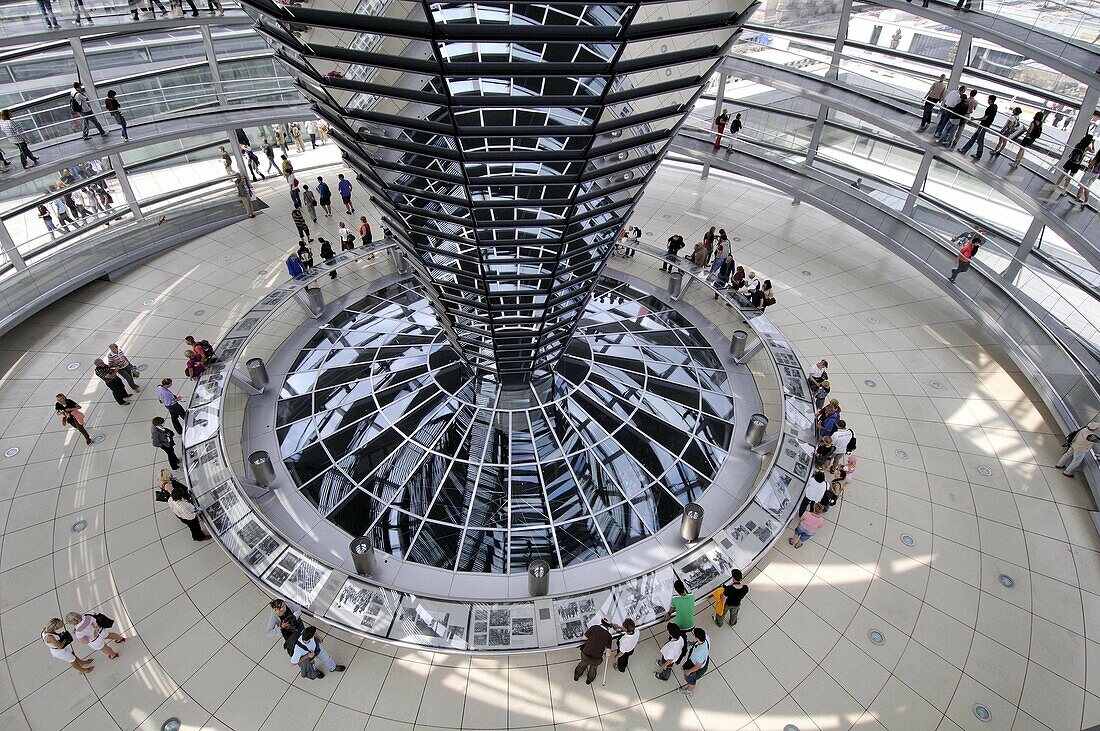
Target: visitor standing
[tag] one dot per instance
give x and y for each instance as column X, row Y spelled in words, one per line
column 808, row 526
column 308, row 652
column 114, row 108
column 1078, row 445
column 94, row 630
column 932, row 97
column 815, row 492
column 596, row 647
column 244, row 192
column 327, row 254
column 114, row 382
column 162, row 439
column 364, row 232
column 285, row 619
column 728, row 598
column 720, row 123
column 681, row 608
column 46, row 8
column 309, row 201
column 675, row 243
column 672, row 652
column 986, row 121
column 181, row 506
column 171, row 402
column 300, row 224
column 734, row 130
column 697, row 662
column 60, row 643
column 627, row 642
column 311, row 130
column 117, row 359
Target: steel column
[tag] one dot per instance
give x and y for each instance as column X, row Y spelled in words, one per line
column 212, row 62
column 7, row 244
column 1081, row 125
column 918, row 182
column 1027, row 243
column 84, row 74
column 124, row 183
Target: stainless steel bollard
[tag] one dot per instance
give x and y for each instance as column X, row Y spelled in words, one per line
column 362, row 555
column 737, row 344
column 754, row 434
column 538, row 577
column 316, row 300
column 691, row 523
column 257, row 373
column 675, row 282
column 261, row 468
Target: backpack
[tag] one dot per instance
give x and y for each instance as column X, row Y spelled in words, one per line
column 851, row 443
column 74, row 104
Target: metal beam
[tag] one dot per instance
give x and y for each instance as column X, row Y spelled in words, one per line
column 1027, row 243
column 1083, row 122
column 84, row 73
column 124, row 183
column 212, row 62
column 918, row 182
column 9, row 248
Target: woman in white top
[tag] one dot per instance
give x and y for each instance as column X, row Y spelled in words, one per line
column 185, row 510
column 88, row 631
column 60, row 643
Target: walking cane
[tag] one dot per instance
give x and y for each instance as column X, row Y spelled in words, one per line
column 607, row 661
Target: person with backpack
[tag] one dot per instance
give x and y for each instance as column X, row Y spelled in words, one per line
column 728, row 598
column 698, row 660
column 324, row 196
column 627, row 642
column 720, row 123
column 202, row 348
column 347, row 238
column 672, row 652
column 308, row 652
column 60, row 643
column 305, row 255
column 1073, row 165
column 1009, row 130
column 285, row 619
column 1078, row 445
column 111, row 104
column 287, row 168
column 844, row 443
column 82, row 106
column 326, row 254
column 965, row 255
column 94, row 631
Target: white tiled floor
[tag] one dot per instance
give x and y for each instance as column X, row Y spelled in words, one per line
column 955, row 637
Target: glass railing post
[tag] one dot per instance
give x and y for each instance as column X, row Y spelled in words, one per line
column 918, row 182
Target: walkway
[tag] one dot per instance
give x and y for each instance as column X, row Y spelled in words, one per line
column 954, row 453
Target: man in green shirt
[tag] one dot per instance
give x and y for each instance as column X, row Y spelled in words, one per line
column 682, row 606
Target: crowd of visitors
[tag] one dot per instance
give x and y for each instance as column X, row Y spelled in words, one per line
column 714, row 255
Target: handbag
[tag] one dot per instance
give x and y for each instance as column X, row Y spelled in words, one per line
column 159, row 495
column 64, row 637
column 103, row 621
column 135, row 373
column 664, row 674
column 307, row 668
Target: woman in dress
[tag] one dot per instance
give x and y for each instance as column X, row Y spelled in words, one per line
column 60, row 643
column 86, row 629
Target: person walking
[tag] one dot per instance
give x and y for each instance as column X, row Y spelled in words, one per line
column 344, row 186
column 46, row 8
column 47, row 220
column 310, row 202
column 681, row 609
column 365, row 234
column 720, row 123
column 253, row 163
column 80, row 104
column 181, row 506
column 327, row 254
column 675, row 243
column 172, row 403
column 734, row 130
column 295, row 194
column 280, row 139
column 117, row 359
column 308, row 652
column 114, row 382
column 965, row 255
column 596, row 647
column 15, row 134
column 78, row 9
column 285, row 619
column 94, row 631
column 1009, row 130
column 324, row 197
column 322, row 131
column 300, row 224
column 162, row 439
column 1092, row 171
column 697, row 662
column 728, row 598
column 347, row 238
column 986, row 121
column 269, row 152
column 672, row 652
column 959, row 114
column 1078, row 445
column 311, row 130
column 227, row 160
column 60, row 643
column 71, row 415
column 1073, row 165
column 114, row 108
column 932, row 97
column 296, row 133
column 810, row 524
column 287, row 168
column 1034, row 131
